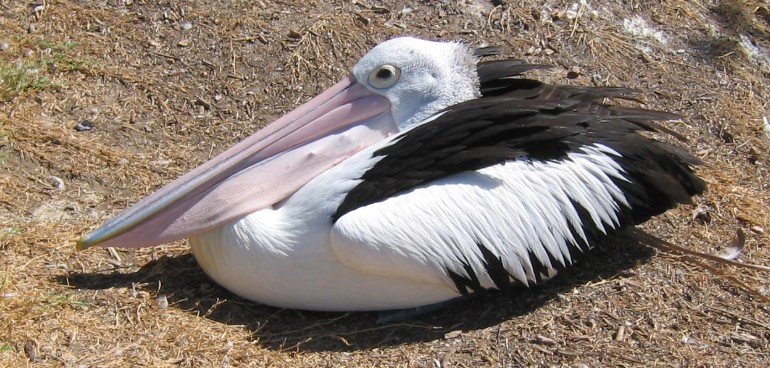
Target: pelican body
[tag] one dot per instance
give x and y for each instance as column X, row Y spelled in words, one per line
column 425, row 175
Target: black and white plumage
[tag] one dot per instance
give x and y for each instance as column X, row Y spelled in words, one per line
column 459, row 176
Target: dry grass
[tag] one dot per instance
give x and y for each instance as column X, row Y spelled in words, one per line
column 163, row 99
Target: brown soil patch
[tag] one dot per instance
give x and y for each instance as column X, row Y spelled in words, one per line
column 163, row 98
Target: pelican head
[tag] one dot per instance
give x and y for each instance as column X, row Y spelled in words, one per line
column 419, row 77
column 398, row 84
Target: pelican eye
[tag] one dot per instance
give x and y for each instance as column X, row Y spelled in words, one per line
column 384, row 76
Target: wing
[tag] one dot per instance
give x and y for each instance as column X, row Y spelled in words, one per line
column 500, row 190
column 487, row 228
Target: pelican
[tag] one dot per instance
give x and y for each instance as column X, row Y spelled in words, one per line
column 427, row 174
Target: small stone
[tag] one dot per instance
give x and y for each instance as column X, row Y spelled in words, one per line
column 184, row 43
column 30, row 348
column 4, row 46
column 147, row 128
column 758, row 229
column 57, row 182
column 162, row 301
column 84, row 125
column 621, row 333
column 186, row 26
column 453, row 334
column 530, row 51
column 217, row 98
column 294, row 34
column 202, row 102
column 573, row 72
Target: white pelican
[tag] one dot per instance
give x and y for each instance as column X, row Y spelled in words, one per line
column 423, row 176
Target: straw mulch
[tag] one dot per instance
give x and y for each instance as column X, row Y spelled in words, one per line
column 165, row 85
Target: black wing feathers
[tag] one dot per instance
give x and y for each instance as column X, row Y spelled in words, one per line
column 523, row 119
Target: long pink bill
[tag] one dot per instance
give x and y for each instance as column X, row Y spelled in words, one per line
column 256, row 173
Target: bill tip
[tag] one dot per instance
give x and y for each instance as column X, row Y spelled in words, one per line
column 83, row 244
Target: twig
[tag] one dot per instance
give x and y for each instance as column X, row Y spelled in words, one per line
column 667, row 246
column 156, row 53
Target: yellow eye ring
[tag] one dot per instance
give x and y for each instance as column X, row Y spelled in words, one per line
column 384, row 76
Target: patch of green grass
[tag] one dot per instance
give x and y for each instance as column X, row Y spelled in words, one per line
column 7, row 231
column 59, row 299
column 18, row 77
column 6, row 347
column 35, row 74
column 58, row 57
column 71, row 63
column 11, row 230
column 67, row 45
column 4, row 155
column 6, row 131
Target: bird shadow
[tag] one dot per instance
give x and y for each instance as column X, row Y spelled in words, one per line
column 187, row 287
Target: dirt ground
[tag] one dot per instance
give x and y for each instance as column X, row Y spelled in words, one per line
column 103, row 101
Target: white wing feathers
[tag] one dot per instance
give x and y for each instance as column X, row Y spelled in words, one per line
column 520, row 212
